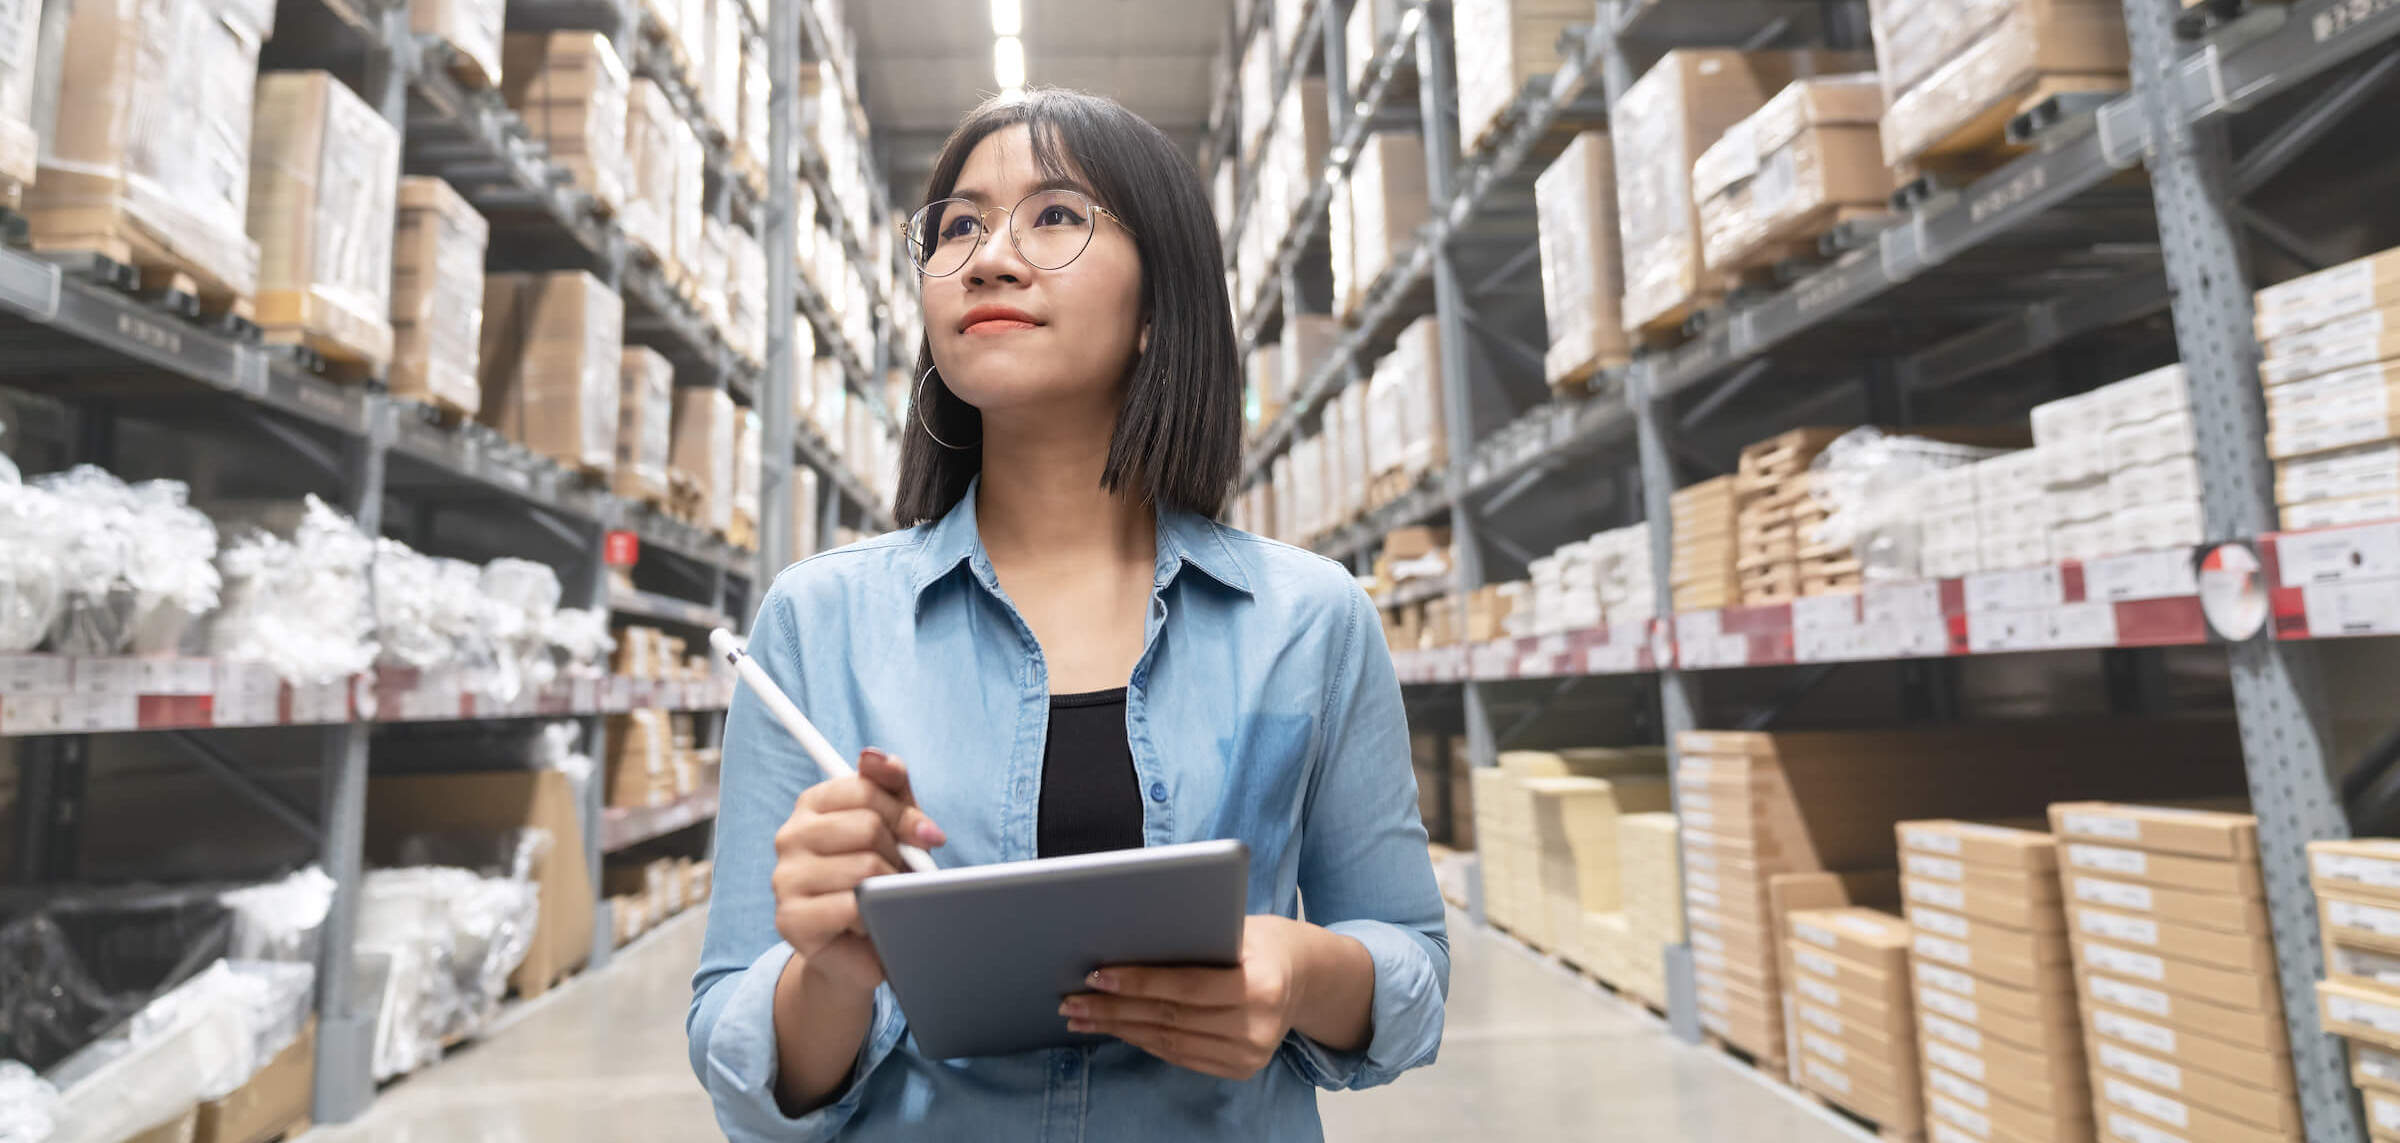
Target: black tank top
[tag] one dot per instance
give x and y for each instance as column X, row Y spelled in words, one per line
column 1091, row 800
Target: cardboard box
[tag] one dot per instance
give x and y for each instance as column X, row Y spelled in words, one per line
column 1873, row 941
column 20, row 148
column 1785, row 174
column 270, row 1102
column 2272, row 1110
column 1387, row 205
column 1978, row 1112
column 1893, row 1100
column 2359, row 920
column 551, row 365
column 438, row 246
column 2014, row 957
column 2200, row 875
column 638, row 769
column 151, row 135
column 1888, row 1040
column 2017, row 1005
column 2202, row 910
column 2342, row 513
column 2114, row 1094
column 2028, row 1077
column 1958, row 92
column 2362, row 470
column 2056, row 1030
column 645, row 412
column 573, row 93
column 324, row 172
column 2034, row 911
column 702, row 450
column 652, row 171
column 2356, row 346
column 1502, row 44
column 401, row 806
column 1582, row 280
column 2258, row 1028
column 1995, row 846
column 2312, row 300
column 2241, row 952
column 2229, row 987
column 2369, row 867
column 2232, row 1063
column 471, row 29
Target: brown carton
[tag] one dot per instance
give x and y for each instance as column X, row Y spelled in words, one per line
column 645, row 422
column 2229, row 987
column 401, row 806
column 703, row 450
column 324, row 171
column 2191, row 832
column 1990, row 901
column 270, row 1103
column 571, row 89
column 437, row 297
column 2366, row 867
column 1877, row 942
column 2201, row 910
column 2256, row 1028
column 551, row 365
column 1960, row 1109
column 2232, row 1063
column 2272, row 1110
column 1893, row 1100
column 471, row 29
column 2029, row 1077
column 1999, row 847
column 1582, row 282
column 2013, row 957
column 2197, row 874
column 1784, row 175
column 2018, row 1005
column 2241, row 952
column 2117, row 1096
column 2055, row 1031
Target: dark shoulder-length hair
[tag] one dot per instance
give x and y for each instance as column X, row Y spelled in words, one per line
column 1178, row 438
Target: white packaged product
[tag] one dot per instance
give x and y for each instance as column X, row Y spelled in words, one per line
column 28, row 1105
column 2149, row 442
column 435, row 948
column 33, row 580
column 2074, row 460
column 137, row 562
column 1869, row 482
column 298, row 605
column 279, row 920
column 524, row 598
column 2076, row 503
column 2155, row 527
column 198, row 1042
column 2175, row 481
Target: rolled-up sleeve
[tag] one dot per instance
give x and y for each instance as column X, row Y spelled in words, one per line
column 1365, row 869
column 731, row 1025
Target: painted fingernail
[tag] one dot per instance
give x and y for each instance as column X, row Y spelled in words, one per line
column 1073, row 1008
column 1104, row 980
column 872, row 754
column 929, row 834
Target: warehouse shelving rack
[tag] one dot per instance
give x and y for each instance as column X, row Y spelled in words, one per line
column 2065, row 243
column 90, row 358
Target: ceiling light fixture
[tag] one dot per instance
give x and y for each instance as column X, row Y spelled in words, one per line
column 1008, row 17
column 1008, row 62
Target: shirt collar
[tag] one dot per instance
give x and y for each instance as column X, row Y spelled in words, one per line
column 1184, row 539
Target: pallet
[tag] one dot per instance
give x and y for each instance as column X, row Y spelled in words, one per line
column 1680, row 323
column 439, row 410
column 1770, row 1067
column 1869, row 1126
column 185, row 295
column 1576, row 379
column 1798, row 246
column 101, row 238
column 743, row 533
column 1980, row 145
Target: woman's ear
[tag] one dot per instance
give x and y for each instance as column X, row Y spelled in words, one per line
column 1143, row 344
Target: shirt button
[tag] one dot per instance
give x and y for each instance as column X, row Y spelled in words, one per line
column 1158, row 791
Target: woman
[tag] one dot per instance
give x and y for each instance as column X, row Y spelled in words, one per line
column 1077, row 657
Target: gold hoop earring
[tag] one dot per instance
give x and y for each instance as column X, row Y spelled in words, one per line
column 918, row 400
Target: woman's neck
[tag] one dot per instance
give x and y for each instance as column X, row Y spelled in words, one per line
column 1040, row 499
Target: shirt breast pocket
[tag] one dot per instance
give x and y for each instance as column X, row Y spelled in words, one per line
column 1263, row 790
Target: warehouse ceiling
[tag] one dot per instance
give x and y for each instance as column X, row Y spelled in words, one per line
column 924, row 63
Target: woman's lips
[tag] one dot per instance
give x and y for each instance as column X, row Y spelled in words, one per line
column 994, row 326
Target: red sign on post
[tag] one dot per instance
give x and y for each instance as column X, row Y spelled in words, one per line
column 620, row 549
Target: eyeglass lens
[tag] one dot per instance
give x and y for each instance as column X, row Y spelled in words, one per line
column 1050, row 229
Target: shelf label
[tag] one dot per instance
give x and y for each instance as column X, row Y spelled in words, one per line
column 2021, row 589
column 109, row 676
column 247, row 694
column 2092, row 623
column 100, row 712
column 2336, row 609
column 2339, row 555
column 35, row 674
column 31, row 714
column 2142, row 575
column 1613, row 657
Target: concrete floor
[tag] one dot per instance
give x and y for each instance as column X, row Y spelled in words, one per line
column 1531, row 1053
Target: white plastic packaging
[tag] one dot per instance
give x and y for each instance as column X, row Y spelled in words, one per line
column 1868, row 480
column 435, row 947
column 136, row 561
column 33, row 580
column 279, row 920
column 28, row 1105
column 299, row 605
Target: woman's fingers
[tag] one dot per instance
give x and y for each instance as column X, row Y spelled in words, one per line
column 890, row 774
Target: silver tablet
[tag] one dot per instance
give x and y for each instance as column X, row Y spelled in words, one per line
column 980, row 957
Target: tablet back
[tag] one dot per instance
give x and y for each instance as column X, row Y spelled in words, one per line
column 980, row 957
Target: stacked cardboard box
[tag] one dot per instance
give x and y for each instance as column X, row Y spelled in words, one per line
column 645, row 412
column 470, row 29
column 643, row 893
column 572, row 92
column 1797, row 166
column 652, row 175
column 2358, row 904
column 1407, row 432
column 1258, row 94
column 1308, row 340
column 1949, row 524
column 2332, row 367
column 1771, row 487
column 1660, row 127
column 2185, row 1015
column 1995, row 988
column 1702, row 571
column 1506, row 813
column 1583, row 282
column 2012, row 511
column 1584, row 584
column 20, row 146
column 1628, row 946
column 1502, row 44
column 550, row 365
column 1858, row 1042
column 1954, row 74
column 1576, row 852
column 1294, row 158
column 2118, row 469
column 718, row 64
column 324, row 169
column 1386, row 202
column 701, row 455
column 437, row 297
column 142, row 162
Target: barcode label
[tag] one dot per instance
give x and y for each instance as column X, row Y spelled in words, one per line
column 1930, row 841
column 2133, row 1031
column 1947, row 924
column 2115, row 895
column 2132, row 930
column 2101, row 825
column 1945, row 896
column 1938, row 868
column 2148, row 1001
column 2107, row 859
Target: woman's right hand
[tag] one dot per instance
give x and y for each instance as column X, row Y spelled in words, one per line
column 841, row 833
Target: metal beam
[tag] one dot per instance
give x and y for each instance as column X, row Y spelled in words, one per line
column 240, row 781
column 2263, row 162
column 2283, row 238
column 1792, row 692
column 1733, row 386
column 1514, row 265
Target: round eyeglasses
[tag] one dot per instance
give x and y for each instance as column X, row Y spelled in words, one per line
column 1049, row 228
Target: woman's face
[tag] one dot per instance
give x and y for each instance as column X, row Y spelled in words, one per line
column 1008, row 335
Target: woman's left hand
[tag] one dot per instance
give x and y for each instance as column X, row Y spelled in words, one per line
column 1225, row 1022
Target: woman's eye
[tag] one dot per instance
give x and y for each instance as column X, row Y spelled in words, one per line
column 962, row 226
column 1056, row 215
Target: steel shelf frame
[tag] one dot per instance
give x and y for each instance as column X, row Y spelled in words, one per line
column 63, row 323
column 2168, row 126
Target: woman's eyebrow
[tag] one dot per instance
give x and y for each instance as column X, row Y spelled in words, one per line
column 974, row 194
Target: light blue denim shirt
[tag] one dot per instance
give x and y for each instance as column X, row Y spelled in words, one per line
column 1263, row 708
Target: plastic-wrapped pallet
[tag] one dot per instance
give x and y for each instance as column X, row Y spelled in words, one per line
column 1954, row 73
column 323, row 176
column 471, row 29
column 296, row 596
column 703, row 451
column 2332, row 370
column 20, row 150
column 1659, row 128
column 437, row 297
column 750, row 143
column 571, row 90
column 552, row 348
column 720, row 68
column 144, row 161
column 1789, row 172
column 1583, row 284
column 650, row 194
column 1502, row 44
column 1388, row 203
column 644, row 420
column 746, row 475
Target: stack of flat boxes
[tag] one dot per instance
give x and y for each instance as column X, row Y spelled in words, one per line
column 1504, row 829
column 2185, row 1016
column 1576, row 836
column 1858, row 1047
column 1995, row 988
column 2332, row 369
column 1566, row 589
column 1949, row 528
column 1628, row 945
column 1702, row 569
column 1771, row 485
column 1739, row 825
column 2358, row 905
column 2120, row 467
column 2012, row 511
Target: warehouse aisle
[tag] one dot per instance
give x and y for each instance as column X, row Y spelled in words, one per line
column 1531, row 1053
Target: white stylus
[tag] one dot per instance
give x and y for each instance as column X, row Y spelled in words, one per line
column 797, row 724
